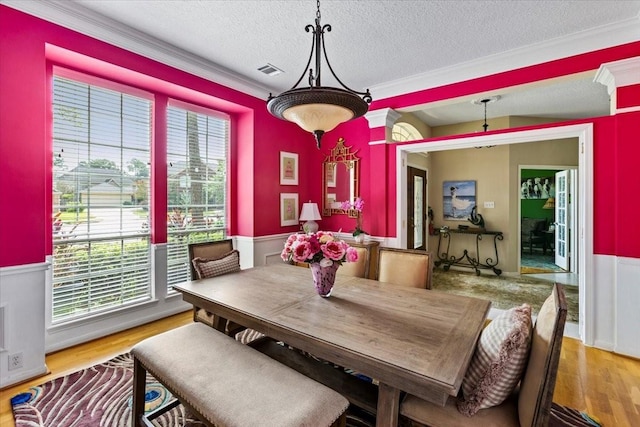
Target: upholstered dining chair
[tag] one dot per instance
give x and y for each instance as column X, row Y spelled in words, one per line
column 360, row 268
column 528, row 406
column 207, row 252
column 405, row 267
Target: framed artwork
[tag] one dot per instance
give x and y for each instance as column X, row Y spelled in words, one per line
column 288, row 168
column 331, row 201
column 458, row 199
column 331, row 174
column 537, row 188
column 288, row 209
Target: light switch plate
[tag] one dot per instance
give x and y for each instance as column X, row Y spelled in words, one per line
column 489, row 205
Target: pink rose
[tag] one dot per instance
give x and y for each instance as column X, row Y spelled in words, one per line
column 302, row 251
column 333, row 250
column 286, row 253
column 352, row 254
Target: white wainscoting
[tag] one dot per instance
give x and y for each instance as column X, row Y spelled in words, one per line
column 602, row 320
column 627, row 319
column 22, row 294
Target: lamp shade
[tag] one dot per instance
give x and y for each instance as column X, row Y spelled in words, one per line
column 550, row 203
column 310, row 214
column 318, row 109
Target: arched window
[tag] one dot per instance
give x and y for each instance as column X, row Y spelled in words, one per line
column 402, row 132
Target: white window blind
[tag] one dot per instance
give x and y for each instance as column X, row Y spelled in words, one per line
column 101, row 248
column 197, row 150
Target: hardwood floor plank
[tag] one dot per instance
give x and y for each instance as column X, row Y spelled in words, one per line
column 603, row 384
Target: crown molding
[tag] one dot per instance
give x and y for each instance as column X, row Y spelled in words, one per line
column 621, row 73
column 384, row 117
column 78, row 18
column 578, row 43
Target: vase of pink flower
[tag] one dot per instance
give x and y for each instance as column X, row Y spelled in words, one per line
column 356, row 206
column 324, row 253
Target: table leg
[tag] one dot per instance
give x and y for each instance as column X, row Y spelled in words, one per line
column 388, row 406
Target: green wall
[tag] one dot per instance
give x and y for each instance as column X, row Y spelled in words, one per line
column 532, row 208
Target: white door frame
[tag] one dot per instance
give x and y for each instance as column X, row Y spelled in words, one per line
column 584, row 133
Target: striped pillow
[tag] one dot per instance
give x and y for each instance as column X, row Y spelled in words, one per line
column 498, row 362
column 228, row 263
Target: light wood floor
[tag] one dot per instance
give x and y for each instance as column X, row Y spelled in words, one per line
column 604, row 384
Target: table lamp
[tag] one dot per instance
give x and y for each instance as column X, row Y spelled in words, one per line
column 310, row 214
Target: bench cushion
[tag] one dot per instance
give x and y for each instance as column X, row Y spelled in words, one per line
column 231, row 384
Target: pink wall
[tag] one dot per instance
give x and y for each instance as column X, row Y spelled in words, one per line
column 258, row 138
column 28, row 47
column 615, row 177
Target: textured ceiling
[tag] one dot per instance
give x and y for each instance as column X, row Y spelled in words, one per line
column 373, row 44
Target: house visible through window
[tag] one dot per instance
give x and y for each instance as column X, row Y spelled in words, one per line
column 197, row 146
column 101, row 247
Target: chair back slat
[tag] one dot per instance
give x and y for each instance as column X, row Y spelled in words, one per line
column 405, row 267
column 208, row 250
column 538, row 383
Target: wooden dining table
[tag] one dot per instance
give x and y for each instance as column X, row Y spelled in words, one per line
column 413, row 340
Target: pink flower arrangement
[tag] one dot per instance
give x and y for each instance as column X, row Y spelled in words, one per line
column 321, row 247
column 357, row 205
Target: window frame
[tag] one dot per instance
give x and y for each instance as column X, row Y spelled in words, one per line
column 91, row 240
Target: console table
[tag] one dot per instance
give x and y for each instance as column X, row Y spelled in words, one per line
column 465, row 260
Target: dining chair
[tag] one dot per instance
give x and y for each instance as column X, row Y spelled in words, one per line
column 405, row 267
column 211, row 251
column 359, row 268
column 530, row 404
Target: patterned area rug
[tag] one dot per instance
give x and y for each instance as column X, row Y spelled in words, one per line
column 100, row 396
column 538, row 263
column 503, row 291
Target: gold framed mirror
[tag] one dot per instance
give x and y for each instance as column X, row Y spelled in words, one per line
column 340, row 180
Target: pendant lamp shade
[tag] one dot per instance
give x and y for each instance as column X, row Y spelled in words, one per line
column 318, row 109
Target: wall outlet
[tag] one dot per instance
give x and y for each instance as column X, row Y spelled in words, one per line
column 489, row 205
column 15, row 361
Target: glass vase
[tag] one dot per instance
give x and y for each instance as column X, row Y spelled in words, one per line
column 324, row 278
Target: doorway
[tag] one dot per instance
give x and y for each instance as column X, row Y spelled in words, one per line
column 416, row 212
column 548, row 199
column 584, row 134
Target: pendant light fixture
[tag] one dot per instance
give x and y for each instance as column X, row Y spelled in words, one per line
column 485, row 101
column 318, row 109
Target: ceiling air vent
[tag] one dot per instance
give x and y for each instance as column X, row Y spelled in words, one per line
column 270, row 70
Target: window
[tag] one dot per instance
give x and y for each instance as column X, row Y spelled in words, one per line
column 402, row 132
column 197, row 146
column 101, row 248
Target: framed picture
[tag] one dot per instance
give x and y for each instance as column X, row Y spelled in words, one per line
column 458, row 199
column 331, row 201
column 331, row 174
column 537, row 188
column 288, row 168
column 288, row 209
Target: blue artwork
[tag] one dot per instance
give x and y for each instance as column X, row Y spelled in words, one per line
column 458, row 199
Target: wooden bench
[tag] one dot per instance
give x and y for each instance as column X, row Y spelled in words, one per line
column 360, row 393
column 226, row 383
